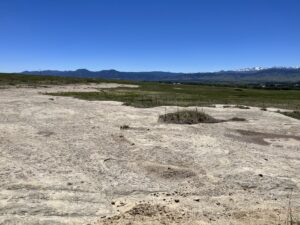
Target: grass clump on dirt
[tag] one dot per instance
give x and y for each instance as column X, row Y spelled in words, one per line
column 124, row 127
column 293, row 114
column 187, row 117
column 193, row 117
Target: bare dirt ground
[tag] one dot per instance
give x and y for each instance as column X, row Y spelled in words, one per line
column 66, row 161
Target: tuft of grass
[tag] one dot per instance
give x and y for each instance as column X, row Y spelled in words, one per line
column 187, row 117
column 124, row 127
column 293, row 114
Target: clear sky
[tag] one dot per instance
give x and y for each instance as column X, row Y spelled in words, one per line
column 147, row 35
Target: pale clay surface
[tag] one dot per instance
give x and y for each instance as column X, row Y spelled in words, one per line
column 66, row 161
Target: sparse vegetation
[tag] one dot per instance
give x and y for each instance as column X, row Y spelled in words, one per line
column 236, row 106
column 293, row 114
column 152, row 94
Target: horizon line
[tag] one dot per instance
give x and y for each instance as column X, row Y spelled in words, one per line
column 255, row 68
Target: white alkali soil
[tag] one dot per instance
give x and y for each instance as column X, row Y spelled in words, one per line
column 66, row 161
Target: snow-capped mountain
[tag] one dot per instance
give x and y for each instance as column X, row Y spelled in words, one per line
column 257, row 68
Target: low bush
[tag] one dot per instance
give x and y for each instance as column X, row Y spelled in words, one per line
column 124, row 127
column 187, row 117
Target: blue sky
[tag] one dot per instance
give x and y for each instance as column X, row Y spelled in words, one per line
column 147, row 35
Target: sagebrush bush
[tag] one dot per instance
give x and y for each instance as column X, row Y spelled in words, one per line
column 187, row 117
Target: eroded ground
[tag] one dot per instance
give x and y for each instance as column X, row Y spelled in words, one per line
column 66, row 161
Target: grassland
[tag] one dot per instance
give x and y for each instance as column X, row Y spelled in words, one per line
column 158, row 94
column 34, row 80
column 152, row 94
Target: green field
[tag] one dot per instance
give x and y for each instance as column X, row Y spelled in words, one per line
column 35, row 81
column 151, row 94
column 158, row 94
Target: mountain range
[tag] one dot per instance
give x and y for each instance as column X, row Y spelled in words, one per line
column 251, row 75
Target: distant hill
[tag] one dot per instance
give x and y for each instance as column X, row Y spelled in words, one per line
column 255, row 75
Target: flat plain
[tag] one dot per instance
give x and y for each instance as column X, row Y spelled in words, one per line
column 66, row 160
